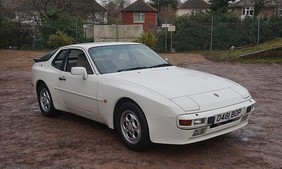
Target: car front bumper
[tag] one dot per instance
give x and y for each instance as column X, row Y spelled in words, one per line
column 166, row 130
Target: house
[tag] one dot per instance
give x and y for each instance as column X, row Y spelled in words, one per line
column 190, row 7
column 244, row 8
column 140, row 13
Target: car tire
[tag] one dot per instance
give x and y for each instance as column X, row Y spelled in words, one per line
column 45, row 101
column 132, row 127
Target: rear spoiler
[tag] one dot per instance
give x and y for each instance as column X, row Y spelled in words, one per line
column 37, row 60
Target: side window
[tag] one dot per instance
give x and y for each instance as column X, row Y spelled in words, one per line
column 59, row 59
column 77, row 58
column 72, row 59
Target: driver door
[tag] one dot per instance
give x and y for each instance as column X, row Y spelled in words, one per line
column 78, row 95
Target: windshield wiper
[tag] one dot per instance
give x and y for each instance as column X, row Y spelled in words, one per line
column 144, row 67
column 161, row 65
column 133, row 68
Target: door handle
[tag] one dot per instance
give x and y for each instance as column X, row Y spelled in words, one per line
column 62, row 78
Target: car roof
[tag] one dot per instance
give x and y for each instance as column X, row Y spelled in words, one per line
column 97, row 44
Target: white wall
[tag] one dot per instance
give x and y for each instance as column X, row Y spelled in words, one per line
column 121, row 33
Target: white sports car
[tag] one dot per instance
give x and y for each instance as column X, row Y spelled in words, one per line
column 133, row 90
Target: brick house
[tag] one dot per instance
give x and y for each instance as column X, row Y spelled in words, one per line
column 140, row 13
column 190, row 7
column 244, row 8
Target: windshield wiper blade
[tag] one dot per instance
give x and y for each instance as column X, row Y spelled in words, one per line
column 161, row 65
column 144, row 67
column 133, row 68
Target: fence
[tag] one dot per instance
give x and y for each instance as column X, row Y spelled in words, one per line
column 214, row 34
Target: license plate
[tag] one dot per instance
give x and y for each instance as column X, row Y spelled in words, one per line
column 227, row 116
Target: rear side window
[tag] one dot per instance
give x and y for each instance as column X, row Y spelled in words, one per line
column 45, row 57
column 59, row 59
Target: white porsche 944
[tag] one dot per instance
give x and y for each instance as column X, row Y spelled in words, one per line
column 133, row 90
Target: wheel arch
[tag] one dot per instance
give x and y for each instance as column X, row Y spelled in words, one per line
column 52, row 111
column 38, row 83
column 143, row 141
column 119, row 103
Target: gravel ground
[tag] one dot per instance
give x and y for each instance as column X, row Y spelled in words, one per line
column 29, row 140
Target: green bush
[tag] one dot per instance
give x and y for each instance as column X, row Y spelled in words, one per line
column 59, row 39
column 148, row 39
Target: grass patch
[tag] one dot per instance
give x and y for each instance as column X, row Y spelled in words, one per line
column 236, row 54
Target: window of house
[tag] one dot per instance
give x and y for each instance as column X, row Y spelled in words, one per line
column 248, row 11
column 280, row 12
column 138, row 18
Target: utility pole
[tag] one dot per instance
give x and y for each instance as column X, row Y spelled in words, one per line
column 117, row 35
column 211, row 34
column 75, row 29
column 166, row 35
column 258, row 29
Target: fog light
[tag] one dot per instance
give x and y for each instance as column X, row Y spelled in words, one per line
column 185, row 122
column 199, row 121
column 199, row 131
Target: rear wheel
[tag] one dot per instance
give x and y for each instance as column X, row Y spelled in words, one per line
column 45, row 101
column 132, row 127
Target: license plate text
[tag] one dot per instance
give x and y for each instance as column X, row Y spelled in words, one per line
column 227, row 116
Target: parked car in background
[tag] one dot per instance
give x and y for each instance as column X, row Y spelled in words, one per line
column 133, row 90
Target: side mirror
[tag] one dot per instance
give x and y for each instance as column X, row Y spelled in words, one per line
column 79, row 71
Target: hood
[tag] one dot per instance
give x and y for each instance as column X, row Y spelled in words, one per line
column 172, row 82
column 189, row 89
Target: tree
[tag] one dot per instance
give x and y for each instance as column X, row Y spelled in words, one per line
column 258, row 5
column 63, row 22
column 166, row 10
column 12, row 33
column 220, row 6
column 117, row 2
column 114, row 7
column 44, row 8
column 113, row 12
column 158, row 3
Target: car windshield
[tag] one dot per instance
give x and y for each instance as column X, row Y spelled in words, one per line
column 119, row 58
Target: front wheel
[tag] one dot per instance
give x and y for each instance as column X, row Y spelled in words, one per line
column 45, row 101
column 132, row 127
